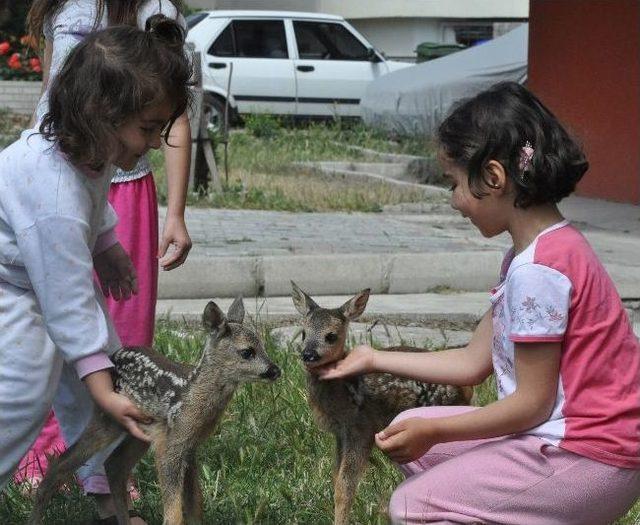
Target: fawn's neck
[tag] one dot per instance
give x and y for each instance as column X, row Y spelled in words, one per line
column 211, row 384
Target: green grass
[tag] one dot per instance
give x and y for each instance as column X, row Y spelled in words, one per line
column 262, row 174
column 267, row 464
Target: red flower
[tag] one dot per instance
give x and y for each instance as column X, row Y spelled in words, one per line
column 4, row 48
column 14, row 61
column 35, row 65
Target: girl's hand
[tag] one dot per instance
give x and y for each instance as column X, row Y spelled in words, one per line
column 407, row 440
column 116, row 273
column 128, row 415
column 358, row 361
column 174, row 234
column 119, row 407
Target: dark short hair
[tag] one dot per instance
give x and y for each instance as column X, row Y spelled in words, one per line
column 495, row 125
column 111, row 77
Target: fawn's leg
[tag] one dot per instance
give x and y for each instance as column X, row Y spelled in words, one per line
column 101, row 432
column 192, row 492
column 118, row 467
column 171, row 462
column 338, row 454
column 356, row 449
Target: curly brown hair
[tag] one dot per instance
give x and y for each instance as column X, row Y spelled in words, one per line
column 110, row 77
column 119, row 12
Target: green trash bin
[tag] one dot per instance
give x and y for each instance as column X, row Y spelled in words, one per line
column 430, row 50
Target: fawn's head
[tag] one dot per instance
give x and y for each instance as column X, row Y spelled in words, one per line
column 234, row 347
column 324, row 330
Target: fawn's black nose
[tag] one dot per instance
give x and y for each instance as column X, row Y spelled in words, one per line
column 310, row 355
column 272, row 373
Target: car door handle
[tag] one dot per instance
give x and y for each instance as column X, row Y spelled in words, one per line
column 217, row 65
column 305, row 69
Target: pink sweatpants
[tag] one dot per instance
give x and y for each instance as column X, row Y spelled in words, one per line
column 517, row 480
column 136, row 205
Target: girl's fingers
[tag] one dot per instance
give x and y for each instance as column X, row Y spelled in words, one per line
column 391, row 430
column 133, row 429
column 115, row 290
column 328, row 372
column 177, row 258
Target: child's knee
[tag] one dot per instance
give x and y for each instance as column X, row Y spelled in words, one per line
column 407, row 505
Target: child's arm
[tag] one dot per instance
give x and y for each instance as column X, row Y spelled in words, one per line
column 458, row 366
column 116, row 405
column 537, row 367
column 177, row 160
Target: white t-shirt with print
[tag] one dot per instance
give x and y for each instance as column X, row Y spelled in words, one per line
column 557, row 290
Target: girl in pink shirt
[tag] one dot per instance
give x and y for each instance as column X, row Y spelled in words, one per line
column 562, row 442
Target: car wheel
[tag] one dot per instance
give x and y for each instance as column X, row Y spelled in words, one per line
column 213, row 108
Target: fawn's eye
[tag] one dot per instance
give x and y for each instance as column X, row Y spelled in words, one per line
column 304, row 335
column 247, row 353
column 331, row 338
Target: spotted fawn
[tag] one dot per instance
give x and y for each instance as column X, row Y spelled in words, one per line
column 354, row 409
column 185, row 404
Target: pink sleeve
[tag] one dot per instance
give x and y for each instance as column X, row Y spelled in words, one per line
column 92, row 363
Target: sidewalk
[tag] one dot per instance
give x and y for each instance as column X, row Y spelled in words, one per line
column 258, row 252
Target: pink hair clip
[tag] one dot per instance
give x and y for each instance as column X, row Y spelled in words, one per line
column 526, row 154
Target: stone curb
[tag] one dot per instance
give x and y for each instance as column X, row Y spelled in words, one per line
column 451, row 311
column 206, row 277
column 432, row 309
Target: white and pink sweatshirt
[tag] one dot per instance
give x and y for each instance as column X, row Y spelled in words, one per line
column 557, row 290
column 53, row 219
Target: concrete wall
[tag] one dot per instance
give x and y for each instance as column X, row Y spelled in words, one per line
column 584, row 63
column 353, row 9
column 399, row 37
column 19, row 96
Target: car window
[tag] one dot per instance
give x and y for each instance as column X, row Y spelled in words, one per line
column 223, row 46
column 327, row 41
column 252, row 39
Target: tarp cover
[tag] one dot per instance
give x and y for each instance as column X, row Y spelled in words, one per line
column 416, row 99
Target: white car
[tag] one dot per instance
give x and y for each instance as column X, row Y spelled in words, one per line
column 284, row 63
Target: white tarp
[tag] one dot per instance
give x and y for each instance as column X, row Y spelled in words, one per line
column 416, row 99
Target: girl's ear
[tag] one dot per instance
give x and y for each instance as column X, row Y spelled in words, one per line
column 495, row 176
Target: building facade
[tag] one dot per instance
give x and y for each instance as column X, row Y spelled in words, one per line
column 584, row 63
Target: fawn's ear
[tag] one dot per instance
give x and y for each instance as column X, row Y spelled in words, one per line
column 355, row 306
column 303, row 303
column 236, row 311
column 213, row 319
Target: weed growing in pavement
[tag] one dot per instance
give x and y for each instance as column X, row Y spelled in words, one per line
column 262, row 174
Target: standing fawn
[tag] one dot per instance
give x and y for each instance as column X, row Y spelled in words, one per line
column 354, row 409
column 185, row 404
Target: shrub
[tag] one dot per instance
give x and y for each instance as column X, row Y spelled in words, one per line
column 262, row 126
column 18, row 52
